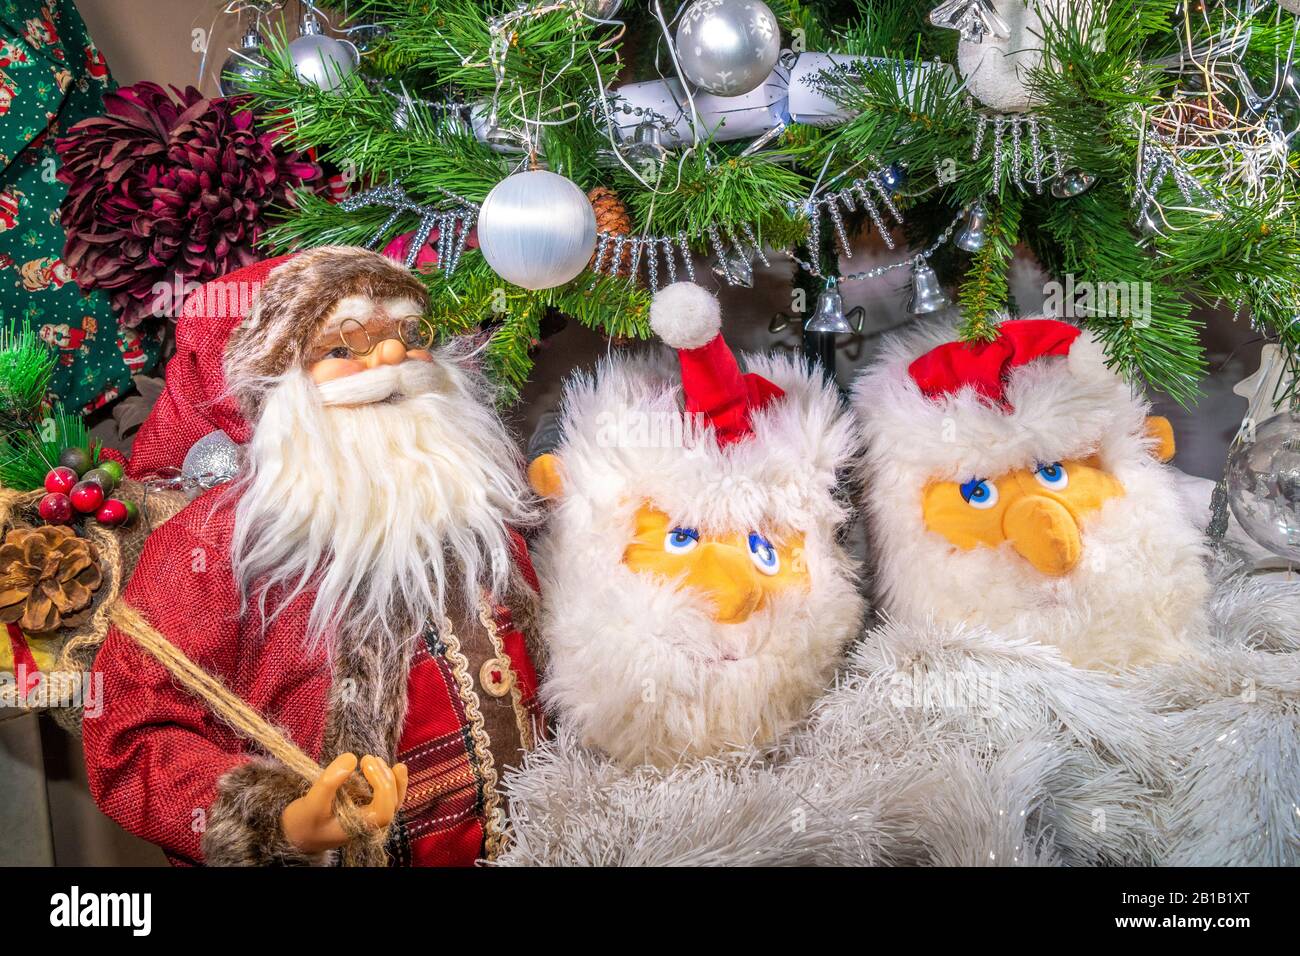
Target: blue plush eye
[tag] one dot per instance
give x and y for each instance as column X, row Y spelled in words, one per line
column 681, row 540
column 980, row 493
column 763, row 554
column 1052, row 476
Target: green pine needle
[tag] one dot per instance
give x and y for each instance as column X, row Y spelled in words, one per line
column 26, row 368
column 27, row 455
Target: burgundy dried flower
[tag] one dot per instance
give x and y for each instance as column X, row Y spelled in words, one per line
column 161, row 189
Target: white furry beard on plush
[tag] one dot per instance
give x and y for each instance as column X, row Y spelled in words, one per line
column 641, row 671
column 376, row 489
column 1137, row 594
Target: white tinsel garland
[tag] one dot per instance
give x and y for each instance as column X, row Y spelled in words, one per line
column 951, row 746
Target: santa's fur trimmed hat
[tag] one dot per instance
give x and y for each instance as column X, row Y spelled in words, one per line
column 933, row 409
column 712, row 445
column 293, row 304
column 1040, row 392
column 303, row 287
column 194, row 401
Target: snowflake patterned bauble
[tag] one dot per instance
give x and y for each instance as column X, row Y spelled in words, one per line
column 996, row 68
column 728, row 47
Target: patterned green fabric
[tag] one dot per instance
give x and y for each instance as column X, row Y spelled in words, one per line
column 52, row 76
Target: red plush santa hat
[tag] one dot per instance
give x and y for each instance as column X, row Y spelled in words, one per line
column 1040, row 392
column 714, row 446
column 194, row 401
column 239, row 330
column 688, row 319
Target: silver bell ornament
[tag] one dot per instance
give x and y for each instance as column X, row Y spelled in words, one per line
column 537, row 229
column 927, row 294
column 1263, row 483
column 319, row 59
column 728, row 47
column 647, row 147
column 828, row 315
column 738, row 270
column 972, row 237
column 243, row 65
column 1071, row 183
column 212, row 460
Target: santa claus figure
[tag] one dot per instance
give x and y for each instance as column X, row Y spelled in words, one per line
column 1019, row 484
column 358, row 586
column 698, row 598
column 45, row 273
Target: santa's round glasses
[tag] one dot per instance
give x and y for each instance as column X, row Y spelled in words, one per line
column 356, row 338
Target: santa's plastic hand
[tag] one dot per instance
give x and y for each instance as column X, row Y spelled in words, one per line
column 310, row 822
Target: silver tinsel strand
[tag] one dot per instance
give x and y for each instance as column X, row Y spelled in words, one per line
column 981, row 125
column 753, row 241
column 721, row 253
column 634, row 268
column 1036, row 156
column 686, row 256
column 837, row 220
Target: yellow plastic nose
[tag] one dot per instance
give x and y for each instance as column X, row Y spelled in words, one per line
column 387, row 352
column 1044, row 533
column 726, row 575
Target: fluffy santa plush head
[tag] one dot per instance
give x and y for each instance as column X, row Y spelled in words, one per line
column 697, row 597
column 1020, row 484
column 377, row 473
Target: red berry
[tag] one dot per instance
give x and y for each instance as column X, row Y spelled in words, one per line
column 112, row 513
column 60, row 480
column 56, row 508
column 87, row 496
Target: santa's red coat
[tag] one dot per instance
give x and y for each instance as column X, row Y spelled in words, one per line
column 155, row 753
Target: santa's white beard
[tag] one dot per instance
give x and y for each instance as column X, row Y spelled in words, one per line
column 641, row 671
column 376, row 490
column 1136, row 596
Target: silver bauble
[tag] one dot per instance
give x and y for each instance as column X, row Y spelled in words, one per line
column 728, row 47
column 319, row 59
column 211, row 460
column 1292, row 6
column 537, row 229
column 245, row 64
column 1263, row 480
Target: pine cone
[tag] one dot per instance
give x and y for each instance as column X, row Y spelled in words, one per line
column 47, row 575
column 612, row 217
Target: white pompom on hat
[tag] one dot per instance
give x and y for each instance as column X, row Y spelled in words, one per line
column 685, row 315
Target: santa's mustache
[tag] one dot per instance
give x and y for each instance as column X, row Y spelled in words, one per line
column 379, row 384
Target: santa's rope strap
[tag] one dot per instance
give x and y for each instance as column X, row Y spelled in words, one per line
column 243, row 719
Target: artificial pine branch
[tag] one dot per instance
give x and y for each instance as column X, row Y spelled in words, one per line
column 984, row 291
column 1099, row 74
column 26, row 368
